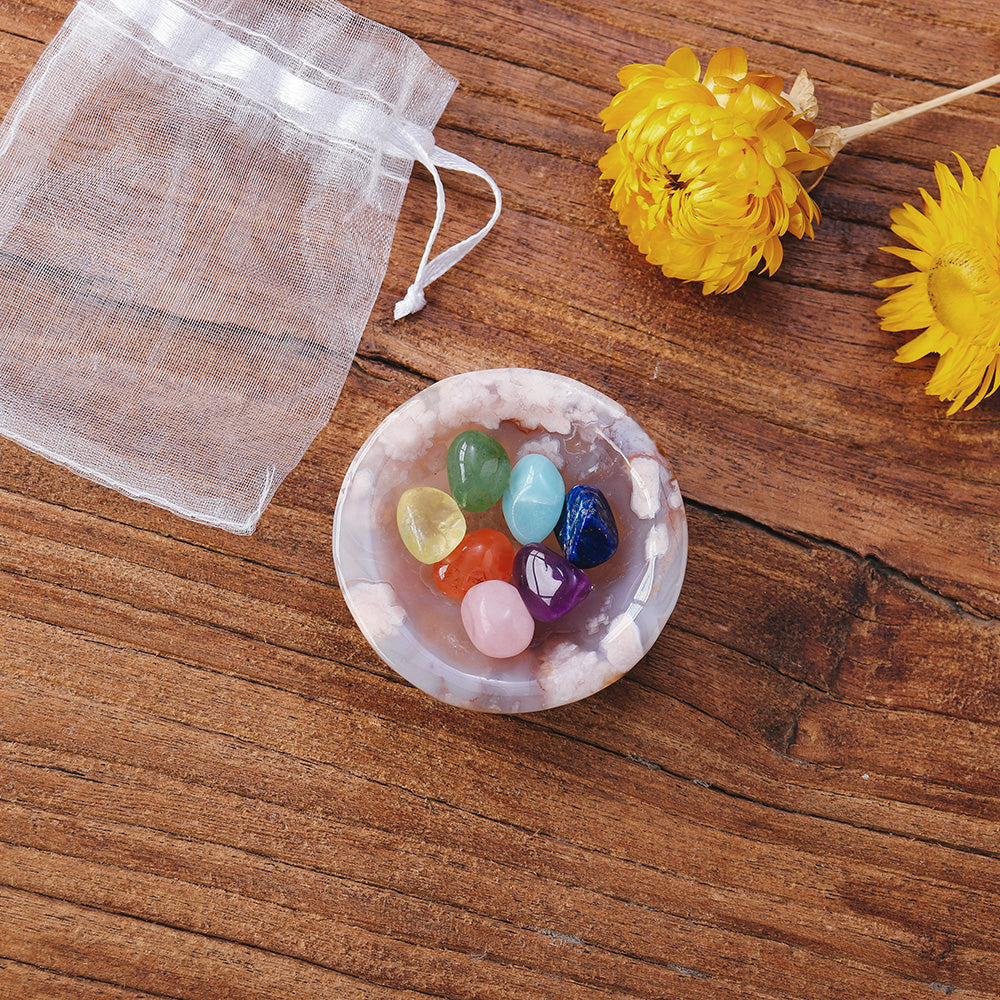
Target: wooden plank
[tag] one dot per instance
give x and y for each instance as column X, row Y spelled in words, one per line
column 20, row 979
column 81, row 793
column 637, row 814
column 211, row 787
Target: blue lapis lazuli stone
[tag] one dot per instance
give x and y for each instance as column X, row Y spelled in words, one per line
column 587, row 531
column 533, row 499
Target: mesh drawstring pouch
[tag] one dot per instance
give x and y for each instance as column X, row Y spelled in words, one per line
column 197, row 203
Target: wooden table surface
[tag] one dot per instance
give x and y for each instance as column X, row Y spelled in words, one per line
column 210, row 786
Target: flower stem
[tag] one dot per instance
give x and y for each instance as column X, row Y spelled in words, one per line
column 866, row 128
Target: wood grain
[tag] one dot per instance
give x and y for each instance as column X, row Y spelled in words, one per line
column 210, row 786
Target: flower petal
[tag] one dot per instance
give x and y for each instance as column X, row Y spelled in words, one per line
column 929, row 342
column 729, row 62
column 683, row 62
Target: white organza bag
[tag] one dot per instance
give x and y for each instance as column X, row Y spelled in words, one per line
column 197, row 203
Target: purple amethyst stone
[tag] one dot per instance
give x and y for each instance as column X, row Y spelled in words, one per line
column 550, row 585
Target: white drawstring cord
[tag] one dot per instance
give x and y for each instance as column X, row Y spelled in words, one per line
column 430, row 270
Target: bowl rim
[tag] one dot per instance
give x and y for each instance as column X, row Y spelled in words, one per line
column 496, row 693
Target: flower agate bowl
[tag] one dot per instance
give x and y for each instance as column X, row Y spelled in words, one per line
column 418, row 631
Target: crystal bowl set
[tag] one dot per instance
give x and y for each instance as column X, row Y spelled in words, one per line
column 510, row 540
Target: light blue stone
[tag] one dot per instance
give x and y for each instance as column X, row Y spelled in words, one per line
column 534, row 499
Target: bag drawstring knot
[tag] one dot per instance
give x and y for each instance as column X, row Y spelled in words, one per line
column 430, row 270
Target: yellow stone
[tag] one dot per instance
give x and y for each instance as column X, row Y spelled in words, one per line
column 430, row 523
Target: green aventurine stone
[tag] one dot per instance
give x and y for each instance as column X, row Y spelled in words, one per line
column 478, row 470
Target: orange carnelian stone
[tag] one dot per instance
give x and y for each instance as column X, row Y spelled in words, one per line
column 484, row 554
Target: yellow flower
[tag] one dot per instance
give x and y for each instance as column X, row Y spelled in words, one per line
column 954, row 293
column 705, row 170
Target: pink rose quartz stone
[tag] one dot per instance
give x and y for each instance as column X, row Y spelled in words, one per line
column 496, row 620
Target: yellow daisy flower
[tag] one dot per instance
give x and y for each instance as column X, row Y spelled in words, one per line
column 954, row 292
column 706, row 169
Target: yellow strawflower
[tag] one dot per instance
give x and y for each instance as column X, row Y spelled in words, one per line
column 706, row 169
column 954, row 292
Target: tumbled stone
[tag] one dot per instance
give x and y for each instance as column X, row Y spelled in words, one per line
column 484, row 554
column 429, row 522
column 478, row 470
column 587, row 531
column 534, row 498
column 549, row 584
column 496, row 619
